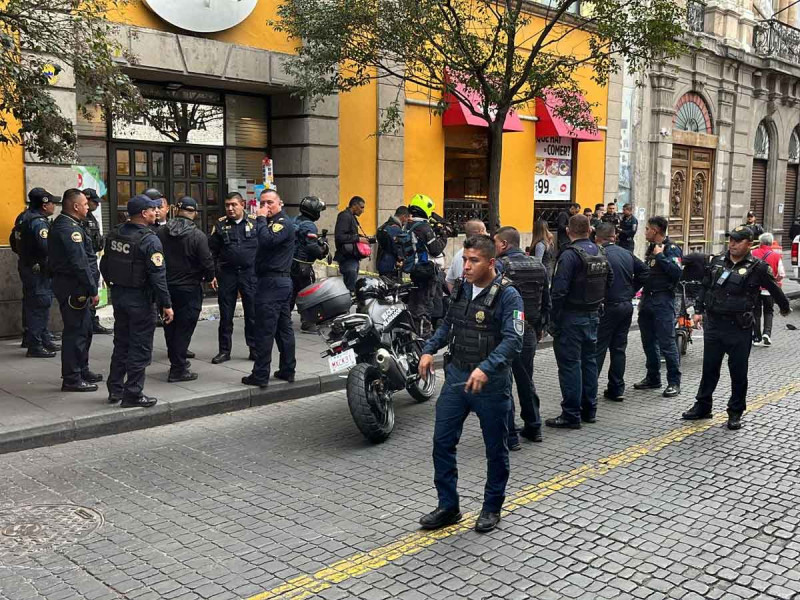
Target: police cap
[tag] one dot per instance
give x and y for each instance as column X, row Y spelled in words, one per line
column 154, row 194
column 92, row 195
column 141, row 202
column 38, row 196
column 742, row 232
column 187, row 203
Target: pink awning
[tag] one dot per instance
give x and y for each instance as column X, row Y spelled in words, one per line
column 550, row 125
column 458, row 114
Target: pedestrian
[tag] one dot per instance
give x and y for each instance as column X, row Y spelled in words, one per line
column 347, row 234
column 765, row 305
column 390, row 257
column 95, row 235
column 483, row 331
column 529, row 276
column 543, row 246
column 273, row 292
column 657, row 309
column 628, row 226
column 472, row 228
column 426, row 245
column 30, row 232
column 563, row 220
column 750, row 221
column 630, row 273
column 133, row 267
column 73, row 264
column 580, row 283
column 725, row 307
column 233, row 244
column 189, row 263
column 309, row 247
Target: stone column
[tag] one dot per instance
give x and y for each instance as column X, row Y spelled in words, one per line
column 390, row 150
column 613, row 137
column 662, row 112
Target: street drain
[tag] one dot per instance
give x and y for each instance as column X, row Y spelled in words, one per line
column 44, row 527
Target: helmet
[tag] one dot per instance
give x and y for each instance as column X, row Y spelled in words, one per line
column 423, row 203
column 311, row 207
column 154, row 194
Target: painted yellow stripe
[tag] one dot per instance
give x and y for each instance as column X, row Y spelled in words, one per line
column 360, row 564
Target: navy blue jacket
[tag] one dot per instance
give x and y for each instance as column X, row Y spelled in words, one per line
column 568, row 263
column 156, row 268
column 387, row 252
column 627, row 232
column 275, row 245
column 71, row 254
column 234, row 245
column 665, row 268
column 630, row 273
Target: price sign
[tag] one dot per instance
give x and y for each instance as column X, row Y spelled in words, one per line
column 553, row 179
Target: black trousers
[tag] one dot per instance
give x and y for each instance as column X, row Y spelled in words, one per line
column 724, row 336
column 187, row 302
column 612, row 336
column 302, row 277
column 77, row 335
column 134, row 326
column 522, row 368
column 274, row 326
column 233, row 283
column 765, row 306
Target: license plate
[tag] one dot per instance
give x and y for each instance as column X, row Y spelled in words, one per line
column 342, row 362
column 391, row 314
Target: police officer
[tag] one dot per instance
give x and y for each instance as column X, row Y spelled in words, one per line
column 162, row 212
column 92, row 227
column 133, row 266
column 189, row 262
column 30, row 233
column 273, row 265
column 754, row 227
column 233, row 243
column 657, row 309
column 630, row 273
column 483, row 330
column 73, row 264
column 428, row 246
column 529, row 276
column 389, row 255
column 309, row 247
column 628, row 226
column 611, row 216
column 725, row 306
column 580, row 282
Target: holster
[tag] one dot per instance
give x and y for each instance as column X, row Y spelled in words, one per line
column 745, row 320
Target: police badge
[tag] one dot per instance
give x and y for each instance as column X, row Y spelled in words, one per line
column 480, row 316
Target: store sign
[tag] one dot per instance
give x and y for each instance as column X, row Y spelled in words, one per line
column 553, row 179
column 203, row 16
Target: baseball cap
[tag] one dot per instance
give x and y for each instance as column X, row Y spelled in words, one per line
column 38, row 196
column 154, row 194
column 751, row 213
column 187, row 203
column 141, row 202
column 91, row 194
column 742, row 232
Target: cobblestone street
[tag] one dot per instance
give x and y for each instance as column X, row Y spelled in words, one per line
column 288, row 501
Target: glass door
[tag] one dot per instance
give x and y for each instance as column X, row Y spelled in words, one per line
column 197, row 172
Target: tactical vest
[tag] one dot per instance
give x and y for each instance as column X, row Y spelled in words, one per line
column 528, row 275
column 92, row 228
column 731, row 293
column 123, row 260
column 474, row 334
column 658, row 280
column 588, row 287
column 26, row 245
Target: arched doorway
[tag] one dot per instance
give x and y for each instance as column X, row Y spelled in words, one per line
column 790, row 198
column 758, row 182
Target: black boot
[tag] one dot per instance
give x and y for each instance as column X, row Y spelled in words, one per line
column 221, row 358
column 91, row 377
column 734, row 421
column 98, row 329
column 39, row 352
column 696, row 413
column 487, row 521
column 440, row 517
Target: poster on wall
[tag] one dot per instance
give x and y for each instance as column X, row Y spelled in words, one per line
column 89, row 177
column 553, row 174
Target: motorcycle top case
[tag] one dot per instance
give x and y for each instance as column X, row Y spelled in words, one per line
column 324, row 300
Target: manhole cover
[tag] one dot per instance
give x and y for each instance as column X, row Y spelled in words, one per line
column 42, row 527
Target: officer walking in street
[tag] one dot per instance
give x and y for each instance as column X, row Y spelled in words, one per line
column 133, row 266
column 580, row 283
column 628, row 226
column 657, row 309
column 725, row 307
column 529, row 276
column 233, row 243
column 309, row 247
column 29, row 241
column 630, row 273
column 73, row 264
column 189, row 263
column 483, row 330
column 276, row 239
column 92, row 227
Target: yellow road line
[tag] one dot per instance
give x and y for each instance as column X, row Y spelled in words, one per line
column 360, row 564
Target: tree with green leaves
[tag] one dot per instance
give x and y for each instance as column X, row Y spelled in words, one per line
column 38, row 40
column 493, row 56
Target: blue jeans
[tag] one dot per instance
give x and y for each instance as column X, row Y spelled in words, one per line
column 348, row 267
column 575, row 346
column 657, row 327
column 492, row 405
column 612, row 336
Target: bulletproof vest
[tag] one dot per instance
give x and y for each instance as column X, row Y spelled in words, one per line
column 27, row 248
column 731, row 292
column 588, row 287
column 658, row 280
column 124, row 262
column 474, row 334
column 528, row 275
column 92, row 228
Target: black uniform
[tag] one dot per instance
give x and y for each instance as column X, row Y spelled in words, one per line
column 133, row 266
column 92, row 227
column 628, row 226
column 31, row 230
column 73, row 264
column 189, row 262
column 308, row 248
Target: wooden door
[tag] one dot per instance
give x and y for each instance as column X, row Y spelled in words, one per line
column 197, row 172
column 690, row 197
column 135, row 168
column 789, row 203
column 758, row 190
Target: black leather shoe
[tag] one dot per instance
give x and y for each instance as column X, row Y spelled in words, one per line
column 51, row 346
column 220, row 358
column 190, row 354
column 185, row 376
column 533, row 434
column 250, row 380
column 514, row 446
column 734, row 422
column 143, row 402
column 40, row 352
column 646, row 384
column 112, row 399
column 286, row 377
column 91, row 377
column 588, row 418
column 613, row 397
column 487, row 521
column 81, row 386
column 252, row 355
column 671, row 391
column 23, row 343
column 98, row 329
column 561, row 423
column 439, row 518
column 696, row 413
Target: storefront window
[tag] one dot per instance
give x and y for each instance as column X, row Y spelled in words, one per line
column 466, row 180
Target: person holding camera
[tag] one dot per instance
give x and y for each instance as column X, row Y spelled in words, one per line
column 309, row 246
column 348, row 234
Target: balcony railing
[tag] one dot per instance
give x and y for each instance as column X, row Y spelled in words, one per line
column 696, row 15
column 773, row 38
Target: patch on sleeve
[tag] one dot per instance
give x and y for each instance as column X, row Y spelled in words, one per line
column 76, row 237
column 43, row 233
column 157, row 258
column 519, row 322
column 277, row 228
column 677, row 260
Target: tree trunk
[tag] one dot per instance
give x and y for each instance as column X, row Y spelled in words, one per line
column 495, row 163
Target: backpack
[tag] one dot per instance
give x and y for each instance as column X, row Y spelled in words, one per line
column 405, row 244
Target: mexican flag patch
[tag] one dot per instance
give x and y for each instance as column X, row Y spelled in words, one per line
column 519, row 315
column 519, row 322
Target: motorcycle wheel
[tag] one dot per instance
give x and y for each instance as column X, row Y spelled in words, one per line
column 422, row 390
column 682, row 342
column 372, row 409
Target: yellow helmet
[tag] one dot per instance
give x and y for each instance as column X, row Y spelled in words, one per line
column 424, row 203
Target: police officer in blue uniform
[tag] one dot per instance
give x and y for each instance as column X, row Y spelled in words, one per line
column 580, row 282
column 309, row 247
column 529, row 276
column 92, row 227
column 630, row 273
column 725, row 306
column 628, row 226
column 276, row 239
column 233, row 243
column 73, row 265
column 483, row 330
column 657, row 309
column 389, row 255
column 133, row 266
column 30, row 234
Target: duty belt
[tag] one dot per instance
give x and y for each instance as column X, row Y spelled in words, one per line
column 615, row 302
column 464, row 366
